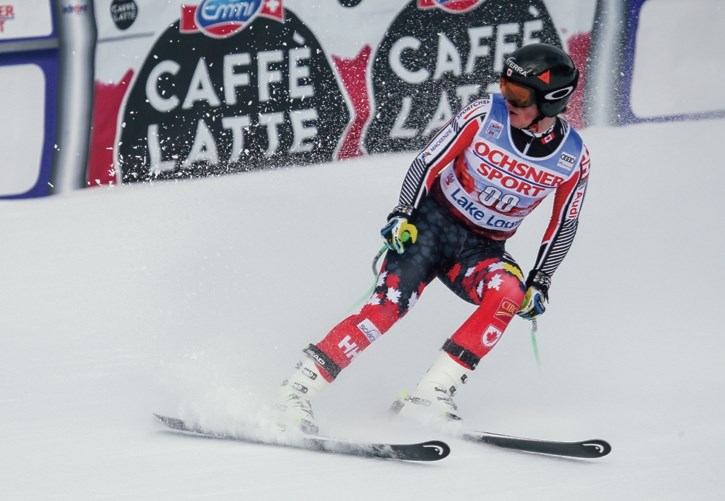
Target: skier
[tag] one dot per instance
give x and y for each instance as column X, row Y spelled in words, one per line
column 462, row 198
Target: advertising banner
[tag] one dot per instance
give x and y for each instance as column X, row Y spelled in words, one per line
column 209, row 87
column 101, row 92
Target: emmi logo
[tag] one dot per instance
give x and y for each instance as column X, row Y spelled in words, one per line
column 224, row 18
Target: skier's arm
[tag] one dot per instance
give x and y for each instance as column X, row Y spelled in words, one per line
column 562, row 227
column 557, row 240
column 445, row 146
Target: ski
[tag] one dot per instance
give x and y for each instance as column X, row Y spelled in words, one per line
column 594, row 448
column 432, row 450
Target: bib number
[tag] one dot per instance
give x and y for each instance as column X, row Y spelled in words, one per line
column 492, row 197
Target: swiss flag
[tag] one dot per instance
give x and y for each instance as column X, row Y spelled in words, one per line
column 545, row 77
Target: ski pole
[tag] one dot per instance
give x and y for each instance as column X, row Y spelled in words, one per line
column 376, row 259
column 534, row 343
column 406, row 236
column 375, row 274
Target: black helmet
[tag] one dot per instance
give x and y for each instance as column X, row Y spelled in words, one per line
column 546, row 69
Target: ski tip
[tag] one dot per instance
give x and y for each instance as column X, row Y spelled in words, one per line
column 585, row 449
column 435, row 449
column 162, row 418
column 597, row 448
column 173, row 423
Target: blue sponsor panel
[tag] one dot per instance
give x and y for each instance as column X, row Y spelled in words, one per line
column 29, row 65
column 666, row 65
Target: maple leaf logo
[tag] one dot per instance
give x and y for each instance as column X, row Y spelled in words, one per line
column 491, row 336
column 393, row 295
column 498, row 265
column 495, row 282
column 374, row 300
column 381, row 279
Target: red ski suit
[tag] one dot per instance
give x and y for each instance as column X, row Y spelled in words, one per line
column 470, row 189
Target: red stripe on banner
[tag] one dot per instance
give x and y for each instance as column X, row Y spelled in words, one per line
column 108, row 99
column 452, row 6
column 188, row 19
column 272, row 10
column 578, row 49
column 353, row 73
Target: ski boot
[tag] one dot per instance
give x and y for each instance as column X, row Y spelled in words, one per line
column 294, row 403
column 431, row 403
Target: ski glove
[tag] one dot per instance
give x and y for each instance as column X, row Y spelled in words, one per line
column 398, row 233
column 537, row 295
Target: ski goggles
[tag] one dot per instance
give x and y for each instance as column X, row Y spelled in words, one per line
column 518, row 96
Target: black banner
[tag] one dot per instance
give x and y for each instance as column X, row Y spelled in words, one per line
column 208, row 105
column 434, row 60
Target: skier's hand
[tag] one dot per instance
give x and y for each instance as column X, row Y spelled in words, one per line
column 398, row 233
column 534, row 304
column 537, row 295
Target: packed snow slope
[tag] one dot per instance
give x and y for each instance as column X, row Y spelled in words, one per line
column 195, row 298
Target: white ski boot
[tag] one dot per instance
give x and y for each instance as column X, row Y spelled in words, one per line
column 431, row 403
column 294, row 404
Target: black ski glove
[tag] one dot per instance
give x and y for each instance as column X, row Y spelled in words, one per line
column 537, row 295
column 398, row 233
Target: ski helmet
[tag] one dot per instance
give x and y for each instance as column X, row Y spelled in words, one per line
column 548, row 71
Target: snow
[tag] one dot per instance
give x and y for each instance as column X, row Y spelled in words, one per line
column 195, row 298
